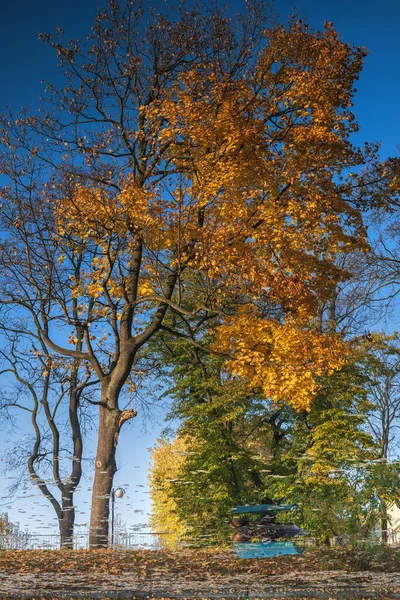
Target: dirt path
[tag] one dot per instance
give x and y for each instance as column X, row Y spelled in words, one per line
column 295, row 584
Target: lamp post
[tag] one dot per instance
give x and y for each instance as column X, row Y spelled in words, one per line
column 115, row 493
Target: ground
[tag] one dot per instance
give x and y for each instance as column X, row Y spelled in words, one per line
column 198, row 574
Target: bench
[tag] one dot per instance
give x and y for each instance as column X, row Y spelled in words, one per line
column 265, row 549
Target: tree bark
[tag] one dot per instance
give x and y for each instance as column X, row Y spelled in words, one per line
column 66, row 523
column 105, row 468
column 384, row 524
column 111, row 420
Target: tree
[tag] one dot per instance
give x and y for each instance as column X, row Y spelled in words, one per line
column 188, row 149
column 315, row 458
column 8, row 528
column 382, row 355
column 238, row 448
column 44, row 383
column 167, row 459
column 328, row 448
column 227, row 435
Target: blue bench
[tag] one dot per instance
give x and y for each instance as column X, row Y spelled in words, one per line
column 263, row 508
column 265, row 549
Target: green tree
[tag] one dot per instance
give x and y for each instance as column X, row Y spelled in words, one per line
column 227, row 434
column 241, row 449
column 182, row 143
column 327, row 447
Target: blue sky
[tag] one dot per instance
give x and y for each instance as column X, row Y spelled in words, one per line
column 25, row 64
column 370, row 23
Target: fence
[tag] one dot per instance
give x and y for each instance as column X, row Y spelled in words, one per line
column 29, row 541
column 374, row 538
column 149, row 541
column 393, row 536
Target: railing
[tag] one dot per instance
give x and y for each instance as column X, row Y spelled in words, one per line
column 150, row 541
column 29, row 541
column 373, row 538
column 393, row 537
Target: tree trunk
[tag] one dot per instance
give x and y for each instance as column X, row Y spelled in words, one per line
column 66, row 523
column 384, row 524
column 105, row 468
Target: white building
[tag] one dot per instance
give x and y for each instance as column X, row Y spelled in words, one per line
column 394, row 524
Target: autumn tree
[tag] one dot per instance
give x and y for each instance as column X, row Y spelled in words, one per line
column 328, row 447
column 216, row 467
column 7, row 527
column 383, row 359
column 167, row 459
column 234, row 447
column 381, row 265
column 52, row 391
column 237, row 447
column 190, row 148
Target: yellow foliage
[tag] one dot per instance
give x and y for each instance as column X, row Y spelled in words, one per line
column 145, row 288
column 167, row 460
column 283, row 359
column 253, row 207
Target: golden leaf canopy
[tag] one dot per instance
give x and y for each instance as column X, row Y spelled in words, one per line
column 254, row 201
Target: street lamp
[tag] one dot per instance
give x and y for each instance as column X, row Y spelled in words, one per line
column 115, row 493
